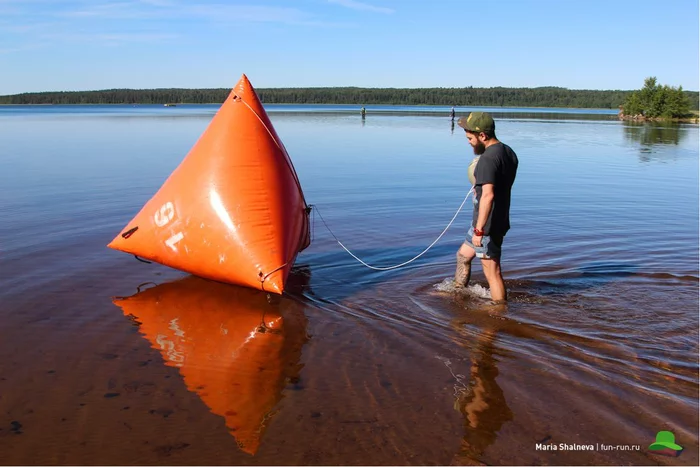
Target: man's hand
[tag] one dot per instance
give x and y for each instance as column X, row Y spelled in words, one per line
column 476, row 240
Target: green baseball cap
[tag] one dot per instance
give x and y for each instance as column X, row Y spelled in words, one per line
column 665, row 439
column 477, row 122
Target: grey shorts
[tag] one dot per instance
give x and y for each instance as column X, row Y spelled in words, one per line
column 490, row 245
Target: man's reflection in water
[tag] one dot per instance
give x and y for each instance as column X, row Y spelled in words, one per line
column 481, row 402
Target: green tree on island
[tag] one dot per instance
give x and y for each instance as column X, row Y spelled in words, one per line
column 655, row 101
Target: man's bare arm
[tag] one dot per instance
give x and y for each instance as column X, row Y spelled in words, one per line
column 485, row 205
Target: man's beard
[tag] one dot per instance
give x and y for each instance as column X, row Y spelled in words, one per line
column 479, row 148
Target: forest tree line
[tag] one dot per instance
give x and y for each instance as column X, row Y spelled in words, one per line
column 470, row 96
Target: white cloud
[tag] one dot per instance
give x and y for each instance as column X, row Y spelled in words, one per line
column 109, row 10
column 26, row 29
column 104, row 21
column 253, row 13
column 214, row 12
column 160, row 3
column 23, row 47
column 111, row 38
column 361, row 6
column 218, row 12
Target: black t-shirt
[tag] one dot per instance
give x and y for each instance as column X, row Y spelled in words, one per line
column 498, row 166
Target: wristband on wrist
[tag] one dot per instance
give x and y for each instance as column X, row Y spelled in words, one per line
column 478, row 233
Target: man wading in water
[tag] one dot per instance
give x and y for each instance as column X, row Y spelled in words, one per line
column 494, row 176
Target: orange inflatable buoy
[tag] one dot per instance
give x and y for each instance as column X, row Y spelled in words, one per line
column 233, row 348
column 233, row 210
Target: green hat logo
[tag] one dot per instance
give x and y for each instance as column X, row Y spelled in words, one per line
column 665, row 439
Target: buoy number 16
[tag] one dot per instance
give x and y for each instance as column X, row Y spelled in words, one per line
column 162, row 217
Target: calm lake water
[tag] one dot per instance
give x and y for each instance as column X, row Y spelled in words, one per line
column 107, row 360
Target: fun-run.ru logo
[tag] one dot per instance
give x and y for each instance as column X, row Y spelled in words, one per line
column 666, row 444
column 587, row 447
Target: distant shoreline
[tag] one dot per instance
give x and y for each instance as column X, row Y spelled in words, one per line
column 535, row 98
column 368, row 106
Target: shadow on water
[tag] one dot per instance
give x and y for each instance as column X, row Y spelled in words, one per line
column 236, row 348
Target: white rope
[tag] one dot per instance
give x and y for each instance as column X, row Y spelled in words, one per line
column 410, row 260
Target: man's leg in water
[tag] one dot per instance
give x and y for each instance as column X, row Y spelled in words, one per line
column 492, row 271
column 465, row 255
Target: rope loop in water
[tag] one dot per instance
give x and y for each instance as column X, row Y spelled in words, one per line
column 387, row 268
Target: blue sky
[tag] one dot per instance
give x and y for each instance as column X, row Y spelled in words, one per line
column 48, row 45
